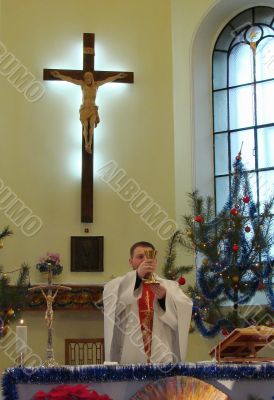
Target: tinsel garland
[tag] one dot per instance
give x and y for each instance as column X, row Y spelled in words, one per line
column 269, row 290
column 202, row 282
column 253, row 281
column 268, row 283
column 213, row 330
column 254, row 278
column 136, row 372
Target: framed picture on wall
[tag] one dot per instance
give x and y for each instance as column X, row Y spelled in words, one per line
column 87, row 253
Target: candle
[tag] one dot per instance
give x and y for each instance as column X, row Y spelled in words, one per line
column 21, row 338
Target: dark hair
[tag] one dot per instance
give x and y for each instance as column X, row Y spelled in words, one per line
column 140, row 244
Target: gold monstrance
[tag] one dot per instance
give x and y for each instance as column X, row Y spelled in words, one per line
column 150, row 279
column 49, row 292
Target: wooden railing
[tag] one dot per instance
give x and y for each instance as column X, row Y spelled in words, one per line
column 84, row 351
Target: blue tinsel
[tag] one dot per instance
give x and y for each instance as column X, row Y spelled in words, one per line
column 213, row 330
column 138, row 372
column 202, row 282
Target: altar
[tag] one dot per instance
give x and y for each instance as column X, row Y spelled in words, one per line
column 121, row 382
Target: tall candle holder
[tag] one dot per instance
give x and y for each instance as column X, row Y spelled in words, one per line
column 49, row 292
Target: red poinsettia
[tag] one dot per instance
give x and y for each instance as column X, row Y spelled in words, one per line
column 69, row 392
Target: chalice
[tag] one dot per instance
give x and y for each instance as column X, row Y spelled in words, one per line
column 150, row 254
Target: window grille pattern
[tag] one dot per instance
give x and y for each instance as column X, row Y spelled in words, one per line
column 243, row 102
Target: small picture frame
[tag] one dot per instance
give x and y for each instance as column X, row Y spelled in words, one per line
column 87, row 254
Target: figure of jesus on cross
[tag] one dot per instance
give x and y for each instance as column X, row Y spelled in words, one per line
column 89, row 116
column 89, row 80
column 49, row 292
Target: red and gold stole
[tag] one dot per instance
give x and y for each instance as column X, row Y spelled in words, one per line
column 146, row 312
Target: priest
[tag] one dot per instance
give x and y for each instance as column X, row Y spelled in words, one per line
column 145, row 322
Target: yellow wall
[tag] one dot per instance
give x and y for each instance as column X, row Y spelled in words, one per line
column 41, row 141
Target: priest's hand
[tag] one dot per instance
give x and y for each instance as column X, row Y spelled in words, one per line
column 146, row 267
column 159, row 291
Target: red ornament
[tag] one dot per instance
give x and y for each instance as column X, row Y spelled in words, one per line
column 234, row 211
column 10, row 312
column 181, row 281
column 260, row 286
column 199, row 219
column 225, row 332
column 246, row 199
column 239, row 157
column 247, row 229
column 235, row 247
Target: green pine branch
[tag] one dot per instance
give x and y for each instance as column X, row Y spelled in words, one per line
column 13, row 297
column 5, row 232
column 170, row 270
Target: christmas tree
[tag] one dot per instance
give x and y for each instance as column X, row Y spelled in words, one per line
column 232, row 257
column 12, row 298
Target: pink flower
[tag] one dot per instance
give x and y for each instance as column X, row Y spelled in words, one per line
column 55, row 257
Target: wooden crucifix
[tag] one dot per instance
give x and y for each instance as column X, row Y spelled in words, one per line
column 89, row 80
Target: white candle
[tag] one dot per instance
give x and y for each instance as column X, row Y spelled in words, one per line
column 21, row 338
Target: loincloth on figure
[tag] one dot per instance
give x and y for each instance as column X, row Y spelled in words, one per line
column 89, row 112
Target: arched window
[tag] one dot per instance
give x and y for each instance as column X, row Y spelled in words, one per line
column 243, row 102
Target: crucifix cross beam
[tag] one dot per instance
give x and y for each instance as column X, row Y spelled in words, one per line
column 88, row 113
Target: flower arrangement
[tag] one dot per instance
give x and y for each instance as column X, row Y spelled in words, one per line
column 52, row 259
column 68, row 392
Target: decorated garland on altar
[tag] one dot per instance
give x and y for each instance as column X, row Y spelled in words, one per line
column 80, row 297
column 137, row 372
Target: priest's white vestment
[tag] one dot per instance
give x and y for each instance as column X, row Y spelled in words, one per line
column 122, row 331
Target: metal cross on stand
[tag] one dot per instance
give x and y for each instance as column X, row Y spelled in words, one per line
column 49, row 292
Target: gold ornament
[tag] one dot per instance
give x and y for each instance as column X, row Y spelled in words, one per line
column 10, row 312
column 205, row 261
column 235, row 278
column 5, row 330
